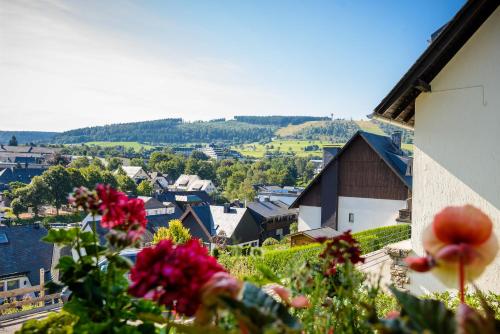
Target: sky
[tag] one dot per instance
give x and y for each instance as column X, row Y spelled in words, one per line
column 70, row 64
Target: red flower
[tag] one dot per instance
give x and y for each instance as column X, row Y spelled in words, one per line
column 112, row 207
column 173, row 275
column 341, row 249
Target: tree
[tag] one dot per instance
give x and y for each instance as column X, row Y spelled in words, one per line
column 13, row 141
column 57, row 159
column 34, row 195
column 108, row 178
column 58, row 181
column 176, row 232
column 125, row 183
column 145, row 188
column 198, row 155
column 138, row 162
column 76, row 177
column 308, row 172
column 114, row 163
column 98, row 163
column 92, row 176
column 80, row 162
column 18, row 207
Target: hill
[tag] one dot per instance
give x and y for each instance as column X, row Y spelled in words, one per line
column 24, row 137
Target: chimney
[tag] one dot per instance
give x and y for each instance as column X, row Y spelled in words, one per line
column 227, row 208
column 329, row 152
column 396, row 137
column 409, row 167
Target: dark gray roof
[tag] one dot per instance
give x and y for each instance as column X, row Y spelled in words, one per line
column 269, row 209
column 203, row 212
column 391, row 154
column 25, row 253
column 169, row 196
column 323, row 232
column 24, row 175
column 151, row 203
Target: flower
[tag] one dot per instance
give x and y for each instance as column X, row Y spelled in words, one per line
column 341, row 249
column 112, row 206
column 85, row 199
column 284, row 294
column 459, row 240
column 174, row 275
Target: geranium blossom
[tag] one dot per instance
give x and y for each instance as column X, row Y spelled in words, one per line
column 112, row 207
column 174, row 275
column 82, row 198
column 341, row 249
column 459, row 243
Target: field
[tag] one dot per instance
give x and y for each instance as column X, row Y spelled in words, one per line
column 127, row 144
column 368, row 126
column 256, row 150
column 292, row 130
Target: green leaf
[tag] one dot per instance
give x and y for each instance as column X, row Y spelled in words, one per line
column 61, row 236
column 65, row 263
column 257, row 310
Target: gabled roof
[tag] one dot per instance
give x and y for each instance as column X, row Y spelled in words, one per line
column 270, row 209
column 170, row 196
column 214, row 219
column 25, row 253
column 151, row 203
column 399, row 105
column 23, row 175
column 383, row 146
column 131, row 171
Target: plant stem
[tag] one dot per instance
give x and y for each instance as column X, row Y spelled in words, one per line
column 461, row 277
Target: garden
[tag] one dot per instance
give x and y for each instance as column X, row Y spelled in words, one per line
column 180, row 288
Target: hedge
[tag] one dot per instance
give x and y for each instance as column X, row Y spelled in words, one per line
column 281, row 262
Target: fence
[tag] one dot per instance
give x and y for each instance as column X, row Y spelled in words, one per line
column 39, row 301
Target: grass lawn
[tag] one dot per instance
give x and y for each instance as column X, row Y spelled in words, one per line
column 256, row 150
column 127, row 144
column 292, row 130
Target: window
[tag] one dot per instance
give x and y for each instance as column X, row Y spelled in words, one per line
column 2, row 286
column 351, row 217
column 3, row 238
column 14, row 284
column 279, row 232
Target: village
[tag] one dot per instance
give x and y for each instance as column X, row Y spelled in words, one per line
column 266, row 219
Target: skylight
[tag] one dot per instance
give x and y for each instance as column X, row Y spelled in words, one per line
column 3, row 238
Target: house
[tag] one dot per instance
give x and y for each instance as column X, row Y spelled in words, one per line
column 183, row 199
column 158, row 215
column 363, row 186
column 23, row 175
column 193, row 183
column 273, row 217
column 136, row 173
column 23, row 254
column 234, row 226
column 449, row 97
column 312, row 236
column 277, row 193
column 160, row 181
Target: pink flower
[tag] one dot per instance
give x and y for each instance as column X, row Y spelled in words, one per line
column 112, row 206
column 84, row 199
column 285, row 295
column 460, row 244
column 175, row 275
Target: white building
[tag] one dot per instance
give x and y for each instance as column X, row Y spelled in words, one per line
column 194, row 183
column 365, row 185
column 450, row 97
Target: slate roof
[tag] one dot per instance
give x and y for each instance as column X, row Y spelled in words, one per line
column 323, row 232
column 214, row 219
column 263, row 210
column 383, row 146
column 23, row 175
column 25, row 253
column 151, row 203
column 169, row 196
column 28, row 149
column 131, row 171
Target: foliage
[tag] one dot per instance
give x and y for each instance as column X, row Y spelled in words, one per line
column 281, row 260
column 270, row 242
column 59, row 184
column 34, row 195
column 61, row 323
column 27, row 136
column 278, row 120
column 18, row 207
column 176, row 232
column 145, row 188
column 114, row 163
column 13, row 141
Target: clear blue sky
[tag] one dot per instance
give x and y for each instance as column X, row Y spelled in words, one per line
column 98, row 63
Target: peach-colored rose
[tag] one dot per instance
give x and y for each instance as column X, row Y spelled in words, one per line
column 459, row 238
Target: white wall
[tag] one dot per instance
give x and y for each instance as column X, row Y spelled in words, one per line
column 309, row 217
column 457, row 138
column 368, row 213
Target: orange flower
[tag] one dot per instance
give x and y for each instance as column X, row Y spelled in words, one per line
column 459, row 240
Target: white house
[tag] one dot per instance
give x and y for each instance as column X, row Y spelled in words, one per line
column 450, row 97
column 136, row 173
column 365, row 185
column 194, row 183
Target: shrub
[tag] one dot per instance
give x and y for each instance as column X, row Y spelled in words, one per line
column 270, row 242
column 282, row 260
column 175, row 232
